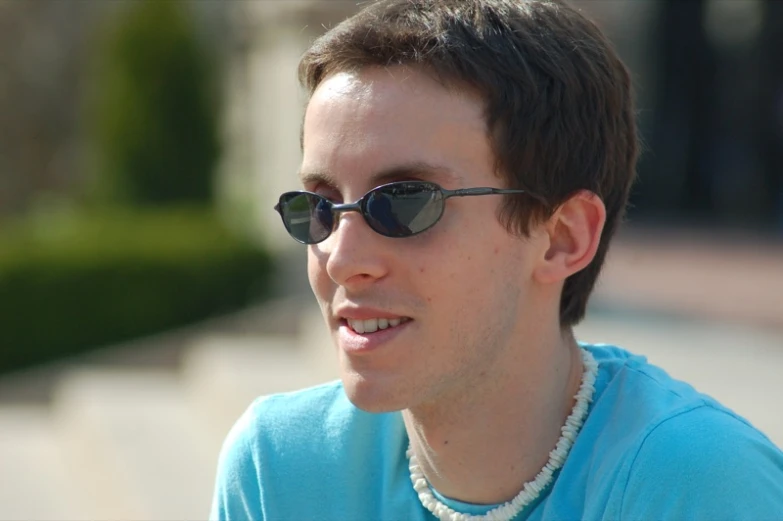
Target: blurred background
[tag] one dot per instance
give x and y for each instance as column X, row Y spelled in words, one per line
column 148, row 291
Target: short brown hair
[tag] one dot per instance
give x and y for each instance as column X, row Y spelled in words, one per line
column 558, row 100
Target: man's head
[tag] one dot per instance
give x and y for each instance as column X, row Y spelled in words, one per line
column 464, row 94
column 557, row 100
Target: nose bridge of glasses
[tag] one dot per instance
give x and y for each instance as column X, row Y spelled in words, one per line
column 347, row 207
column 339, row 209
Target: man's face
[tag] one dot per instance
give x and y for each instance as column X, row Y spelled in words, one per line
column 461, row 290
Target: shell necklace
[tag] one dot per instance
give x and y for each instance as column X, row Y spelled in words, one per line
column 531, row 490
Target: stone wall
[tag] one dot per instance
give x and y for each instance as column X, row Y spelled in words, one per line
column 265, row 106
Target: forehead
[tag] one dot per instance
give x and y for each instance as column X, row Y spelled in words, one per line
column 385, row 119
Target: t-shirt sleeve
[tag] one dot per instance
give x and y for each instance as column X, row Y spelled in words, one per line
column 237, row 494
column 705, row 464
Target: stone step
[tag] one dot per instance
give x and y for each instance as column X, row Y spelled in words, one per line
column 224, row 374
column 139, row 442
column 36, row 481
column 143, row 443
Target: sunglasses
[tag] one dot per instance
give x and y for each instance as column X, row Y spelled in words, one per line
column 400, row 209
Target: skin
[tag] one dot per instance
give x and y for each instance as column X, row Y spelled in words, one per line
column 483, row 374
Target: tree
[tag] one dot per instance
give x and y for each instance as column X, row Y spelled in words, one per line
column 154, row 117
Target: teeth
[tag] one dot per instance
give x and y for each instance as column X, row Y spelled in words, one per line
column 373, row 324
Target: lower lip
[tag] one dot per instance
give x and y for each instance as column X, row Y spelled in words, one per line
column 357, row 343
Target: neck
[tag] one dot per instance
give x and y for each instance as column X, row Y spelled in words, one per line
column 483, row 445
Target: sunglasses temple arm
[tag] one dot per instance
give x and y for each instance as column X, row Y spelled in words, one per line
column 465, row 192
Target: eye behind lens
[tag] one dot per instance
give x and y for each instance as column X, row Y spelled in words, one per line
column 307, row 216
column 403, row 209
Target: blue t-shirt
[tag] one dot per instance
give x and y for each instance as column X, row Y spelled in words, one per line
column 651, row 448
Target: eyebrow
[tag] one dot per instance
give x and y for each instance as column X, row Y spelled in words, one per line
column 418, row 169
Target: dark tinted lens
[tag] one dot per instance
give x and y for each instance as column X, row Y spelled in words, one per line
column 307, row 217
column 403, row 209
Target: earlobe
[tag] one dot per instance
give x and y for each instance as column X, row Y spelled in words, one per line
column 574, row 232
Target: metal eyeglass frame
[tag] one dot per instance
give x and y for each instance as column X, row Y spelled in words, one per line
column 359, row 205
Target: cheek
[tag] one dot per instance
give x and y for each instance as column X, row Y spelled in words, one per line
column 471, row 268
column 317, row 275
column 452, row 276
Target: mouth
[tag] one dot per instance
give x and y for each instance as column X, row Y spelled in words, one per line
column 372, row 325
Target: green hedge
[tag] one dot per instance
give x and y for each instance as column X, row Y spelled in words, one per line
column 73, row 284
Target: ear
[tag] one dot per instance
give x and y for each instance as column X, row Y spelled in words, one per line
column 574, row 231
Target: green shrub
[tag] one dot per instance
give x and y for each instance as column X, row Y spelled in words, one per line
column 98, row 279
column 152, row 112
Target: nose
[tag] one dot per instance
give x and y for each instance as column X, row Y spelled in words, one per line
column 354, row 256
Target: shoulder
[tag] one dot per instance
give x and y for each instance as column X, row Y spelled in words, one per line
column 298, row 418
column 275, row 459
column 308, row 420
column 632, row 395
column 619, row 367
column 704, row 463
column 260, row 436
column 653, row 447
column 641, row 393
column 305, row 408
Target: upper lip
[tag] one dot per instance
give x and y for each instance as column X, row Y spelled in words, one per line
column 364, row 313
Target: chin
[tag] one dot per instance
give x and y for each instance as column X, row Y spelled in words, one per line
column 371, row 395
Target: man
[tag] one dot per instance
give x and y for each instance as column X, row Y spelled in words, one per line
column 476, row 156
